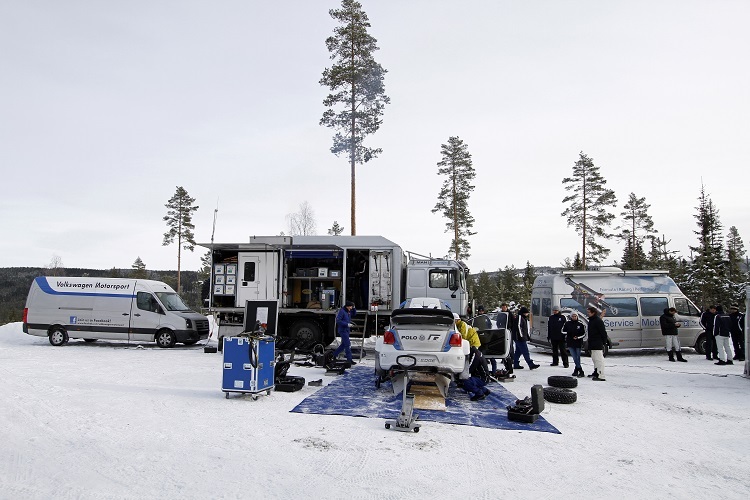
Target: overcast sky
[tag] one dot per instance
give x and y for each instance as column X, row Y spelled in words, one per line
column 106, row 107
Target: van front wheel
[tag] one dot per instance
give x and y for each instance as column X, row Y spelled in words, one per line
column 58, row 336
column 165, row 339
column 700, row 344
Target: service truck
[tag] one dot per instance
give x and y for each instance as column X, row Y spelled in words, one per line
column 311, row 277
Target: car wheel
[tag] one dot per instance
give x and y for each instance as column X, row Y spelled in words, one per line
column 165, row 339
column 58, row 336
column 387, row 425
column 700, row 344
column 563, row 381
column 306, row 331
column 90, row 340
column 560, row 395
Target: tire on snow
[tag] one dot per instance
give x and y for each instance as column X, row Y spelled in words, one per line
column 563, row 381
column 560, row 395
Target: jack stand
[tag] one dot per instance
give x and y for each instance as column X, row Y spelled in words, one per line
column 406, row 421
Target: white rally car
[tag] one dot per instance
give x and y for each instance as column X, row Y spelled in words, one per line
column 423, row 328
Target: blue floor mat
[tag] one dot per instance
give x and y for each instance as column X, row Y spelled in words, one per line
column 354, row 394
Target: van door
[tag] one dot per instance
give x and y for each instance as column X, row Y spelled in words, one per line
column 145, row 316
column 651, row 309
column 379, row 279
column 250, row 278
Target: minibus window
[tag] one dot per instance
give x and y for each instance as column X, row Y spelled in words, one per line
column 438, row 278
column 653, row 306
column 685, row 308
column 146, row 302
column 546, row 307
column 535, row 307
column 621, row 307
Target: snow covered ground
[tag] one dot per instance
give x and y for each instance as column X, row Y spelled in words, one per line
column 108, row 420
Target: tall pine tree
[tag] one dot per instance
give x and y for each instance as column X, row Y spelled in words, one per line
column 587, row 211
column 357, row 99
column 637, row 226
column 453, row 198
column 179, row 219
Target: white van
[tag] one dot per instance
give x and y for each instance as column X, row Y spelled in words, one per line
column 632, row 302
column 110, row 308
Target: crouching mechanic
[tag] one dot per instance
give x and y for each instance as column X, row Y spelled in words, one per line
column 472, row 380
column 343, row 329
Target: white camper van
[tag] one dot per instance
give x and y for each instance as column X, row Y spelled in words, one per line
column 110, row 308
column 632, row 302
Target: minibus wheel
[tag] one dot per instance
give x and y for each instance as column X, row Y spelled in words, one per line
column 700, row 344
column 58, row 336
column 165, row 338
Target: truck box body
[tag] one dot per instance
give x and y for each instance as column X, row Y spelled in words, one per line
column 632, row 302
column 311, row 277
column 110, row 308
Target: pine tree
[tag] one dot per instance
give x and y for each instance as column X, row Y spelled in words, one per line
column 527, row 284
column 139, row 269
column 735, row 274
column 335, row 229
column 508, row 284
column 587, row 212
column 485, row 291
column 179, row 219
column 636, row 228
column 357, row 90
column 706, row 278
column 205, row 271
column 453, row 198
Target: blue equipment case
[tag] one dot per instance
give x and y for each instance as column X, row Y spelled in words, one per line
column 248, row 365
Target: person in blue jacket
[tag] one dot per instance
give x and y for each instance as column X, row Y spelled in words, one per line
column 343, row 329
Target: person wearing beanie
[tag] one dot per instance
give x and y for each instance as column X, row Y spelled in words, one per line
column 722, row 329
column 343, row 329
column 520, row 333
column 669, row 326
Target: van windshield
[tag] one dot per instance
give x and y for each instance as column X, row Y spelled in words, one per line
column 172, row 301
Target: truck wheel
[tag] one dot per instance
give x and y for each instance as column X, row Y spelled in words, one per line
column 700, row 344
column 58, row 336
column 563, row 381
column 559, row 395
column 306, row 331
column 165, row 338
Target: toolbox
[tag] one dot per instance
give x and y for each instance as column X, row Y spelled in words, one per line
column 248, row 365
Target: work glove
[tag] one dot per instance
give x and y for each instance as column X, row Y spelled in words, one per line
column 352, row 325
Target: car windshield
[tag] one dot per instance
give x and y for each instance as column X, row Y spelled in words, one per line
column 172, row 301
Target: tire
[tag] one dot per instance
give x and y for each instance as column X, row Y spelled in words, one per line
column 58, row 336
column 560, row 395
column 562, row 381
column 90, row 340
column 700, row 344
column 387, row 425
column 306, row 331
column 165, row 339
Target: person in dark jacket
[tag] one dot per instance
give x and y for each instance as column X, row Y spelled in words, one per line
column 556, row 337
column 737, row 329
column 669, row 326
column 722, row 331
column 597, row 339
column 520, row 331
column 343, row 329
column 707, row 322
column 576, row 333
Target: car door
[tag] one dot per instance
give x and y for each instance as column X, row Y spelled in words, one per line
column 145, row 316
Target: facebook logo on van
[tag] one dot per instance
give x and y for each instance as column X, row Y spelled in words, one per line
column 73, row 320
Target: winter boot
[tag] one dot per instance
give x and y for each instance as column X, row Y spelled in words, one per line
column 680, row 358
column 580, row 373
column 575, row 372
column 671, row 355
column 595, row 374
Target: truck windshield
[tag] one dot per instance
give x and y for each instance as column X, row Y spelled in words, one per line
column 172, row 301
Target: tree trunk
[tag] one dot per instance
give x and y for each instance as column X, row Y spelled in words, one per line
column 352, row 158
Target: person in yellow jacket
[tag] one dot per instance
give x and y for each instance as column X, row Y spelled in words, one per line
column 467, row 332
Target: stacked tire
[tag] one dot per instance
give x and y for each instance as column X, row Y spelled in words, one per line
column 560, row 389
